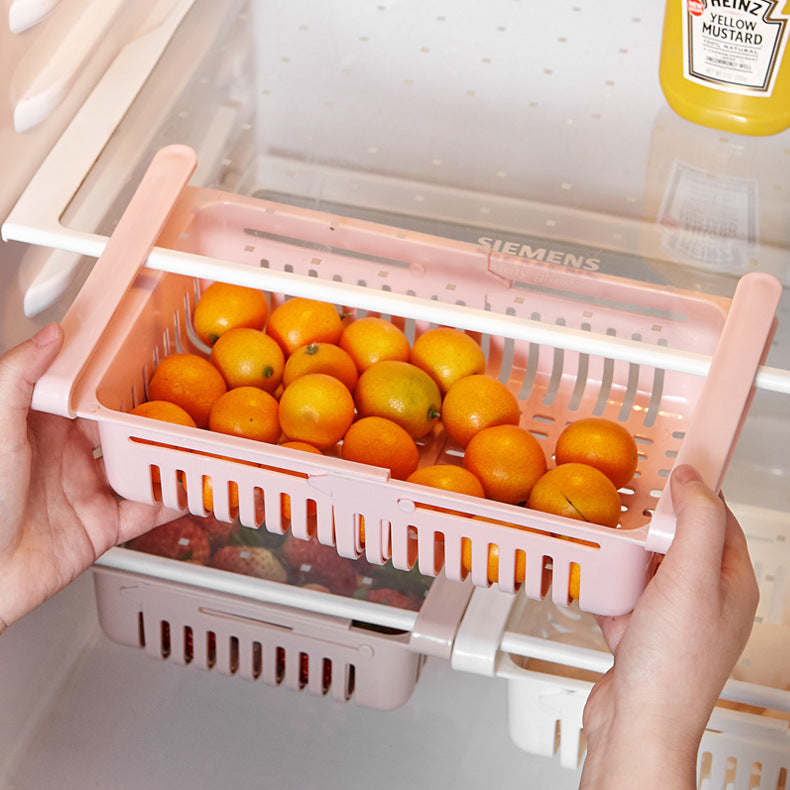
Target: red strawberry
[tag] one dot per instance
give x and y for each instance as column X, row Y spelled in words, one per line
column 182, row 539
column 393, row 598
column 310, row 562
column 249, row 561
column 219, row 533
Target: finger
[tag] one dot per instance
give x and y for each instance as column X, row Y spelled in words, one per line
column 613, row 629
column 130, row 520
column 736, row 563
column 735, row 543
column 136, row 518
column 20, row 369
column 700, row 529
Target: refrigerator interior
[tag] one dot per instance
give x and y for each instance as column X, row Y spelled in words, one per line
column 500, row 125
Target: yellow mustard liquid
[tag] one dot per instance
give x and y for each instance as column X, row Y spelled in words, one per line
column 752, row 111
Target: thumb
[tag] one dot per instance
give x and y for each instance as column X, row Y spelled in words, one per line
column 20, row 369
column 701, row 526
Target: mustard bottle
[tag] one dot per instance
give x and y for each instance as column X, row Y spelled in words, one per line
column 726, row 63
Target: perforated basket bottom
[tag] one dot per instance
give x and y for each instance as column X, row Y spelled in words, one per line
column 274, row 645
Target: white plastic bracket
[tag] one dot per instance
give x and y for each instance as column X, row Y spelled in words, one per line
column 436, row 626
column 480, row 632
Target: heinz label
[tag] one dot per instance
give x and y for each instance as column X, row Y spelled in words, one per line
column 734, row 45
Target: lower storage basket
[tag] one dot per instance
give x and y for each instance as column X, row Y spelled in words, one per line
column 741, row 748
column 746, row 745
column 567, row 343
column 266, row 643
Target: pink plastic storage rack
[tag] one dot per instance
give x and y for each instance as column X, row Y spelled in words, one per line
column 675, row 368
column 275, row 645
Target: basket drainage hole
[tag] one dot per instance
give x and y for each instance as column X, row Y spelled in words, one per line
column 164, row 638
column 351, row 676
column 279, row 665
column 234, row 655
column 156, row 482
column 211, row 649
column 304, row 670
column 547, row 575
column 189, row 644
column 140, row 629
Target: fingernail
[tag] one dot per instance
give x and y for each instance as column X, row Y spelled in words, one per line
column 49, row 334
column 685, row 473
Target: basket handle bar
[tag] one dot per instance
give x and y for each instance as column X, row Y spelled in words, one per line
column 725, row 397
column 124, row 254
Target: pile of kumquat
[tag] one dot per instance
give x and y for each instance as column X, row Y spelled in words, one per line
column 306, row 376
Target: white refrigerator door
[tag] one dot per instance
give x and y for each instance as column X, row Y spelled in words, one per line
column 52, row 54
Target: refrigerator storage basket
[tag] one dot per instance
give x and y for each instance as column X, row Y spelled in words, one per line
column 739, row 750
column 568, row 343
column 257, row 641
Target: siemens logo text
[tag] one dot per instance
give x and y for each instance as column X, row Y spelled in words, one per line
column 559, row 257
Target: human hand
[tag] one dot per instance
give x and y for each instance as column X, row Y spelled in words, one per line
column 58, row 513
column 673, row 654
